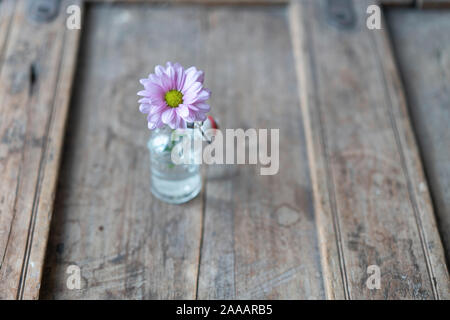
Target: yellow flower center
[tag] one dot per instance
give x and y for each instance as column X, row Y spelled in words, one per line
column 173, row 98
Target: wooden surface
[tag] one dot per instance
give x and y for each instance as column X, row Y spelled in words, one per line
column 106, row 222
column 424, row 60
column 35, row 82
column 371, row 194
column 259, row 238
column 147, row 249
column 350, row 193
column 403, row 3
column 433, row 3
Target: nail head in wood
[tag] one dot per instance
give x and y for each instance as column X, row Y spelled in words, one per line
column 43, row 11
column 341, row 13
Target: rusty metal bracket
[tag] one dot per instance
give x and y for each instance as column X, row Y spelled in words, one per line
column 341, row 13
column 43, row 11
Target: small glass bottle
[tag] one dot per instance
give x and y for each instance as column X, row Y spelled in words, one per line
column 170, row 182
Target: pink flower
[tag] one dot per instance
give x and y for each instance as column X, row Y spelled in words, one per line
column 174, row 96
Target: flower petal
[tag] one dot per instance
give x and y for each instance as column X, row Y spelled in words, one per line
column 180, row 76
column 194, row 88
column 166, row 82
column 168, row 116
column 159, row 70
column 203, row 95
column 177, row 121
column 145, row 100
column 154, row 79
column 182, row 124
column 192, row 75
column 170, row 71
column 201, row 77
column 157, row 109
column 183, row 111
column 201, row 116
column 154, row 117
column 155, row 125
column 144, row 108
column 191, row 98
column 202, row 106
column 155, row 91
column 190, row 113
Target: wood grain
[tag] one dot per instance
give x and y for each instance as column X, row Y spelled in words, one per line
column 35, row 80
column 202, row 2
column 259, row 239
column 350, row 192
column 127, row 244
column 423, row 55
column 6, row 15
column 397, row 2
column 372, row 195
column 433, row 3
column 418, row 3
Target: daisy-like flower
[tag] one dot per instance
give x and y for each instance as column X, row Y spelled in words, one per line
column 174, row 96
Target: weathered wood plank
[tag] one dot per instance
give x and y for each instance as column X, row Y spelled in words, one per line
column 127, row 244
column 418, row 3
column 259, row 236
column 6, row 13
column 35, row 82
column 203, row 2
column 433, row 3
column 279, row 270
column 47, row 186
column 125, row 254
column 423, row 55
column 372, row 195
column 253, row 2
column 396, row 2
